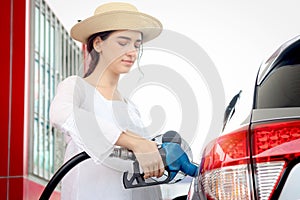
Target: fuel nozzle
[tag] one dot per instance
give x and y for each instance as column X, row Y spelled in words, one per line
column 174, row 157
column 177, row 160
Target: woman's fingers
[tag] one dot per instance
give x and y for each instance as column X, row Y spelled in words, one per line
column 149, row 158
column 161, row 170
column 154, row 168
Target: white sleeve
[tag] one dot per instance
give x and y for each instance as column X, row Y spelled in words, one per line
column 96, row 136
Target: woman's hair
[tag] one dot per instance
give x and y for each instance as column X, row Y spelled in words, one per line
column 95, row 56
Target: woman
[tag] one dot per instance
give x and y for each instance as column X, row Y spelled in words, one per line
column 95, row 117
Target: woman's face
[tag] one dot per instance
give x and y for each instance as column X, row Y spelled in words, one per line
column 120, row 50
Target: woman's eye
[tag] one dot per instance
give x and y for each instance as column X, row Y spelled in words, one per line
column 127, row 43
column 123, row 43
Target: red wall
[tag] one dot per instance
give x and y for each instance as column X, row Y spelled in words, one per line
column 14, row 182
column 4, row 100
column 12, row 98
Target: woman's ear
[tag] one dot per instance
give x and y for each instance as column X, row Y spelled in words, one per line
column 97, row 44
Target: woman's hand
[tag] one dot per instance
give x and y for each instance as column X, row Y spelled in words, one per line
column 145, row 151
column 149, row 158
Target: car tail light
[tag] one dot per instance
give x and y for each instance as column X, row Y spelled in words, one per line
column 229, row 161
column 224, row 169
column 227, row 182
column 267, row 174
column 275, row 145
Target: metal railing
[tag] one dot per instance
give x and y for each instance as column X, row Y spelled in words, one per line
column 54, row 56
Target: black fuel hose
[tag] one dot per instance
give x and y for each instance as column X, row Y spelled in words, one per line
column 61, row 172
column 121, row 153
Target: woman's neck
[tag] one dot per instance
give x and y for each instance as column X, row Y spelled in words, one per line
column 103, row 78
column 106, row 83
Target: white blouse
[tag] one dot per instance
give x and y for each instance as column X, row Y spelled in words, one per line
column 93, row 124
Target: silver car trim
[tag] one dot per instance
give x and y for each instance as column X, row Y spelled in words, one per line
column 268, row 114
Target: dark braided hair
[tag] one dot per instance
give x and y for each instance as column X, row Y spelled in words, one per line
column 94, row 54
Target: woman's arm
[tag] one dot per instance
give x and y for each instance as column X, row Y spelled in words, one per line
column 95, row 135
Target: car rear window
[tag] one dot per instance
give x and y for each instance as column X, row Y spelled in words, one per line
column 281, row 88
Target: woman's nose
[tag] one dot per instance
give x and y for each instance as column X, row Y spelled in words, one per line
column 132, row 52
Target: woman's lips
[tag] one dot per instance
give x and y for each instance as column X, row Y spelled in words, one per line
column 129, row 62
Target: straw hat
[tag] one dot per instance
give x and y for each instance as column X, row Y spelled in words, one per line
column 117, row 16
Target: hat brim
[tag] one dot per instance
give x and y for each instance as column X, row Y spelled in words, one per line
column 117, row 20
